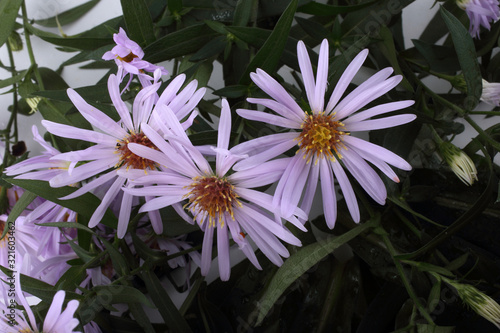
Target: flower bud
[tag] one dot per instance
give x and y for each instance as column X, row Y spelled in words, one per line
column 459, row 162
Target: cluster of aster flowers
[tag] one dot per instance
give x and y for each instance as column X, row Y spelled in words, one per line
column 146, row 159
column 481, row 13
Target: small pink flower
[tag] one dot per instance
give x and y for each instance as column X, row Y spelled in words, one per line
column 323, row 136
column 481, row 13
column 128, row 57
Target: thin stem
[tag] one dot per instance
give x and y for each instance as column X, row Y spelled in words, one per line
column 34, row 65
column 486, row 113
column 13, row 115
column 402, row 274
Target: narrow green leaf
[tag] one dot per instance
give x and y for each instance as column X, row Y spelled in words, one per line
column 118, row 260
column 77, row 42
column 242, row 12
column 8, row 14
column 434, row 296
column 320, row 9
column 26, row 198
column 429, row 328
column 299, row 263
column 182, row 42
column 139, row 23
column 95, row 93
column 268, row 57
column 141, row 317
column 174, row 6
column 312, row 28
column 12, row 80
column 466, row 52
column 85, row 204
column 210, row 49
column 69, row 16
column 166, row 307
column 75, row 225
column 121, row 294
column 388, row 48
column 235, row 91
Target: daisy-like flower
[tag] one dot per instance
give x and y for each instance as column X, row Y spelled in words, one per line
column 480, row 13
column 55, row 321
column 323, row 136
column 491, row 93
column 221, row 202
column 128, row 57
column 111, row 152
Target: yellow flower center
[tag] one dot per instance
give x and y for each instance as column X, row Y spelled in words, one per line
column 131, row 160
column 128, row 58
column 214, row 196
column 2, row 229
column 321, row 136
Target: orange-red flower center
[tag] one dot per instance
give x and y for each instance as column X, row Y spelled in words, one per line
column 213, row 196
column 131, row 160
column 128, row 58
column 321, row 136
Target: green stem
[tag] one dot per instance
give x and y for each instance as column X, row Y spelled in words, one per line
column 34, row 65
column 465, row 115
column 13, row 114
column 486, row 113
column 402, row 274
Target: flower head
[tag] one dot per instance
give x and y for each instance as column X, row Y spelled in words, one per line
column 323, row 135
column 128, row 57
column 221, row 202
column 110, row 152
column 459, row 162
column 481, row 303
column 481, row 13
column 491, row 93
column 55, row 321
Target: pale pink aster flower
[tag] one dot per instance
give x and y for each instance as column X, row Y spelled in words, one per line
column 55, row 321
column 128, row 57
column 219, row 201
column 111, row 153
column 481, row 13
column 491, row 93
column 322, row 136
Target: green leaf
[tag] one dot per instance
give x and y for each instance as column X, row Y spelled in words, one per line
column 235, row 91
column 299, row 263
column 210, row 49
column 434, row 296
column 242, row 12
column 12, row 80
column 312, row 28
column 8, row 14
column 119, row 264
column 388, row 49
column 121, row 294
column 77, row 42
column 75, row 225
column 139, row 23
column 268, row 57
column 466, row 52
column 26, row 198
column 141, row 317
column 98, row 92
column 429, row 328
column 182, row 42
column 39, row 288
column 166, row 307
column 68, row 16
column 174, row 6
column 85, row 204
column 320, row 9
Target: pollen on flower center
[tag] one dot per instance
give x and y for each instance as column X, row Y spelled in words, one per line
column 2, row 228
column 128, row 58
column 213, row 196
column 321, row 136
column 131, row 160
